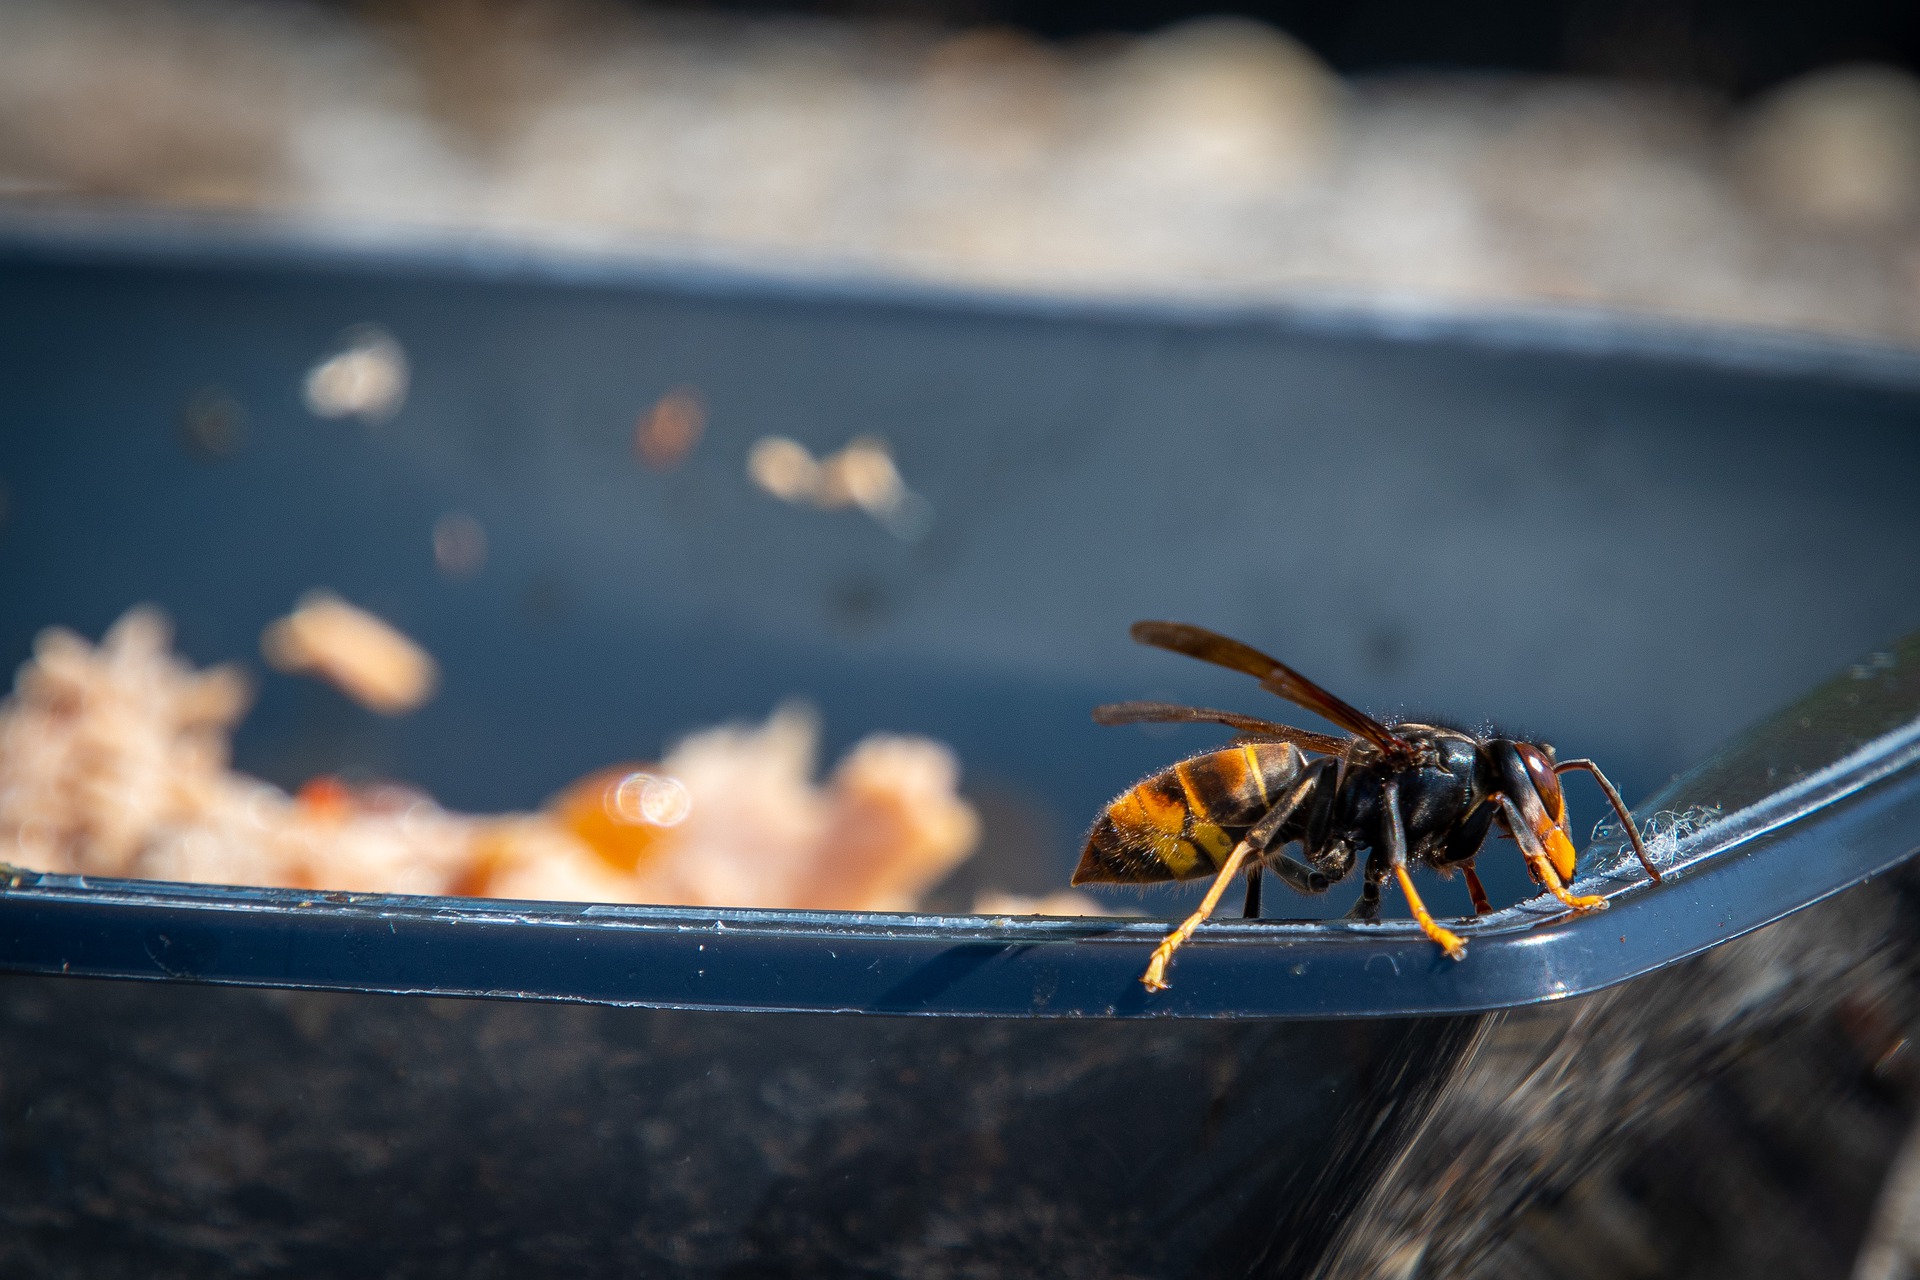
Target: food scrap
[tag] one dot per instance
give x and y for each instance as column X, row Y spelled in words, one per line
column 862, row 474
column 114, row 762
column 366, row 378
column 365, row 657
column 667, row 433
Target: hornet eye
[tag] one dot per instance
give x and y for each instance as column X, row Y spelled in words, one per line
column 1545, row 781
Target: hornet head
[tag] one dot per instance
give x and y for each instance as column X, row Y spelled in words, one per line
column 1525, row 772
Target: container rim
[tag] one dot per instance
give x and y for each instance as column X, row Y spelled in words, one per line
column 1822, row 835
column 1853, row 812
column 126, row 237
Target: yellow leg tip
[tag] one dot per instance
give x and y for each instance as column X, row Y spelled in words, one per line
column 1580, row 905
column 1452, row 944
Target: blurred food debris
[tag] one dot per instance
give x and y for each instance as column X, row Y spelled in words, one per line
column 213, row 424
column 732, row 817
column 895, row 824
column 668, row 432
column 105, row 750
column 1216, row 157
column 201, row 104
column 1226, row 106
column 784, row 468
column 862, row 474
column 1840, row 147
column 113, row 762
column 363, row 656
column 365, row 379
column 1065, row 902
column 623, row 811
column 459, row 545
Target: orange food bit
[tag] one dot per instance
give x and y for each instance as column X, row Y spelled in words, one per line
column 325, row 796
column 667, row 433
column 625, row 814
column 489, row 853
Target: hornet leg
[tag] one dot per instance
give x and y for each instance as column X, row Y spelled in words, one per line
column 1155, row 978
column 1367, row 906
column 1300, row 878
column 1481, row 906
column 1396, row 834
column 1462, row 847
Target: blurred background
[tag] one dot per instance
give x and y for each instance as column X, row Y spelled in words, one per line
column 1755, row 163
column 715, row 451
column 651, row 365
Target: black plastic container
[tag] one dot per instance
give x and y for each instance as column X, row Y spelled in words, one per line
column 1627, row 539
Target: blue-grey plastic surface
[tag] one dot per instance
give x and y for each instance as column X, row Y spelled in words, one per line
column 1744, row 872
column 1628, row 544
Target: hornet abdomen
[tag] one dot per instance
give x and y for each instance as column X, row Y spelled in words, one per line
column 1181, row 823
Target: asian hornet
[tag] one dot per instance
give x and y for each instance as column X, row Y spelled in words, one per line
column 1406, row 795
